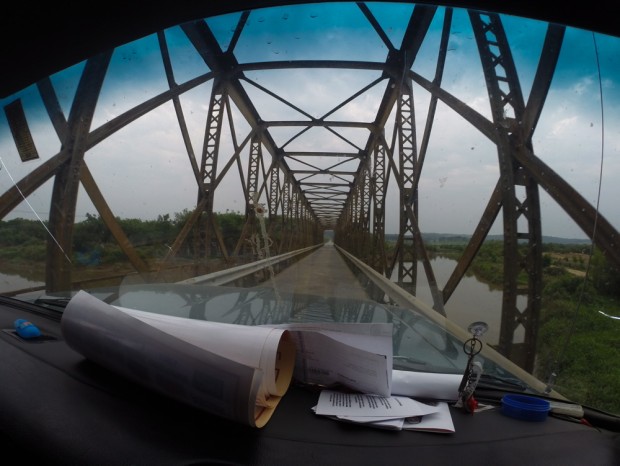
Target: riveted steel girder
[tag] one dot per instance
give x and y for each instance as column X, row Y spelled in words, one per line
column 67, row 176
column 508, row 108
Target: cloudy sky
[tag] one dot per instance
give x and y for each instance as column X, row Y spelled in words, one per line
column 143, row 170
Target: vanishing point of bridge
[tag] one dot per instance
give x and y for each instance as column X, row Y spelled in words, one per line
column 291, row 196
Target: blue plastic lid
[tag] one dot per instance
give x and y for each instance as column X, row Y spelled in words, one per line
column 527, row 408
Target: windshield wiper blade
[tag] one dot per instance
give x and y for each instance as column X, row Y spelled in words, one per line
column 52, row 302
column 492, row 381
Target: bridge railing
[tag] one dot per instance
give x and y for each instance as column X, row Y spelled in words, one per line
column 230, row 275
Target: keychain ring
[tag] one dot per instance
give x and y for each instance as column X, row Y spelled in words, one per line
column 472, row 347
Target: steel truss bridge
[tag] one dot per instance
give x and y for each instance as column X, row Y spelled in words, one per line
column 296, row 192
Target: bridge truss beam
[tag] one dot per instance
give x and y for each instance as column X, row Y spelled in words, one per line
column 303, row 192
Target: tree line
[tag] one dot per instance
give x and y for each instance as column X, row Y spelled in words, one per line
column 23, row 239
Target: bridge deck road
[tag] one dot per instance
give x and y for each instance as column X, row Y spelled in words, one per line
column 323, row 272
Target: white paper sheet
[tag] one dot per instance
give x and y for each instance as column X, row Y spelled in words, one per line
column 183, row 359
column 356, row 355
column 391, row 413
column 255, row 347
column 426, row 385
column 368, row 408
column 440, row 422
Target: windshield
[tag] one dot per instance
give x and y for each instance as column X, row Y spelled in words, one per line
column 461, row 165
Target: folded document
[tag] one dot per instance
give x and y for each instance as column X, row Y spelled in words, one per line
column 393, row 412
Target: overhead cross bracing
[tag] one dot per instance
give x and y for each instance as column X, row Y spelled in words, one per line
column 330, row 168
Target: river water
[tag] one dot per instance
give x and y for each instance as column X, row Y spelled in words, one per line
column 11, row 282
column 471, row 301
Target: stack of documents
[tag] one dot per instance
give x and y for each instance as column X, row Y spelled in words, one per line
column 385, row 412
column 242, row 372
